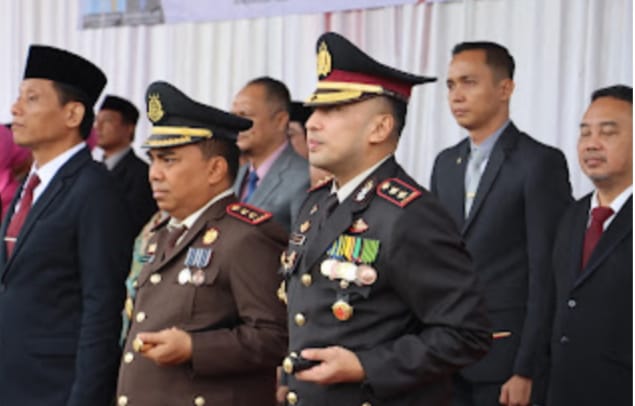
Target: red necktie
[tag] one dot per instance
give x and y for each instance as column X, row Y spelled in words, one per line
column 594, row 232
column 18, row 217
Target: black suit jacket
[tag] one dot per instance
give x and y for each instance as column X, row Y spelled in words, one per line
column 62, row 290
column 422, row 318
column 509, row 232
column 131, row 176
column 592, row 345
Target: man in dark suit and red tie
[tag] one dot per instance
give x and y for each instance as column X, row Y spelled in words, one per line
column 592, row 345
column 67, row 246
column 506, row 191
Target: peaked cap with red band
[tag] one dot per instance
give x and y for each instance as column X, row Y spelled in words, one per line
column 346, row 74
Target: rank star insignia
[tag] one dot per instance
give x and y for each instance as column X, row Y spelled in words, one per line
column 210, row 236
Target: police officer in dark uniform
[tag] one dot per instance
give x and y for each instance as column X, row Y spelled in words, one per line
column 207, row 327
column 382, row 298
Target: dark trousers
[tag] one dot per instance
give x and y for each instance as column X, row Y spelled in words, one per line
column 468, row 393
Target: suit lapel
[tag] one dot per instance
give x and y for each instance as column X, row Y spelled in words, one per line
column 499, row 153
column 272, row 179
column 573, row 257
column 620, row 228
column 58, row 186
column 456, row 176
column 240, row 178
column 122, row 166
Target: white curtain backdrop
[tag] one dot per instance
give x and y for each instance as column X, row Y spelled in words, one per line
column 564, row 49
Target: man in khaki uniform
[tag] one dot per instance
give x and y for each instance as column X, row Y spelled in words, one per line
column 207, row 328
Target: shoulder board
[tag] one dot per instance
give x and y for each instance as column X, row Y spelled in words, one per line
column 397, row 191
column 321, row 183
column 248, row 214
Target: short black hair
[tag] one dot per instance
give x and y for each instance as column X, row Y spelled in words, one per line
column 277, row 92
column 221, row 147
column 399, row 113
column 66, row 94
column 620, row 92
column 497, row 56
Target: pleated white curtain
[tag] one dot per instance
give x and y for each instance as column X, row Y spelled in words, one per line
column 564, row 49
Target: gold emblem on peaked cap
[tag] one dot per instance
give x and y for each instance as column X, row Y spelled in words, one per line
column 155, row 108
column 323, row 60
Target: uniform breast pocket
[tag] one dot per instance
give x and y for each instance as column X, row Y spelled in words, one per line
column 208, row 292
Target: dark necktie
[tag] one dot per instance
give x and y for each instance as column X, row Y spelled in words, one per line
column 252, row 181
column 328, row 207
column 174, row 233
column 18, row 217
column 598, row 216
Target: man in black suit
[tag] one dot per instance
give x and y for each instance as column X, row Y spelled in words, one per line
column 382, row 298
column 115, row 125
column 66, row 246
column 506, row 192
column 592, row 345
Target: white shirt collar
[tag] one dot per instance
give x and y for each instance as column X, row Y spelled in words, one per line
column 115, row 158
column 47, row 171
column 346, row 190
column 616, row 204
column 191, row 219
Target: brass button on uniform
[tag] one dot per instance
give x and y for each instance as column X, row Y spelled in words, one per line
column 128, row 357
column 299, row 319
column 122, row 401
column 141, row 316
column 155, row 278
column 292, row 398
column 199, row 401
column 307, row 280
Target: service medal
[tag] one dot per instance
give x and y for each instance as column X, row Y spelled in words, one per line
column 342, row 310
column 184, row 276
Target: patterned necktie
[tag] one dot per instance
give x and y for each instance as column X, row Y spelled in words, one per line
column 252, row 181
column 472, row 177
column 18, row 217
column 598, row 216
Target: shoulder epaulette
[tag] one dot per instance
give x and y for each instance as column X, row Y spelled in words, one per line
column 248, row 214
column 321, row 183
column 397, row 191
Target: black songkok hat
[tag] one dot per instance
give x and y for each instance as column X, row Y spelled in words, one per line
column 178, row 120
column 58, row 65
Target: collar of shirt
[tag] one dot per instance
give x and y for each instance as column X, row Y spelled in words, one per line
column 191, row 219
column 347, row 189
column 47, row 171
column 115, row 158
column 616, row 204
column 488, row 143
